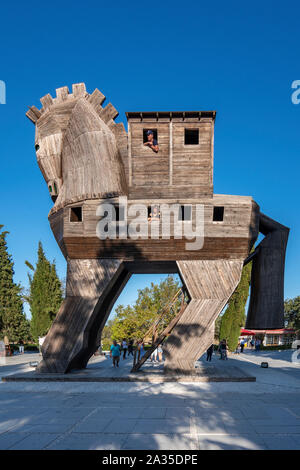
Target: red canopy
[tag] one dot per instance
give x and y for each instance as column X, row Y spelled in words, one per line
column 246, row 332
column 279, row 331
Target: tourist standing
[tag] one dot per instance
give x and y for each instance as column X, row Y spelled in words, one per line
column 223, row 349
column 154, row 355
column 209, row 352
column 21, row 347
column 115, row 352
column 242, row 344
column 220, row 348
column 124, row 348
column 140, row 349
column 41, row 341
column 130, row 348
column 160, row 353
column 257, row 344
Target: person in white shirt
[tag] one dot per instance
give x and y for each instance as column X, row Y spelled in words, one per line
column 124, row 348
column 154, row 356
column 41, row 341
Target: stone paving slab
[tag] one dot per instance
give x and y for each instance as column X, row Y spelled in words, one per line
column 88, row 441
column 280, row 442
column 100, row 370
column 233, row 376
column 231, row 442
column 33, row 441
column 160, row 442
column 167, row 416
column 9, row 439
column 161, row 426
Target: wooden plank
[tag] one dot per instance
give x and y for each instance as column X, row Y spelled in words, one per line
column 266, row 306
column 33, row 114
column 78, row 90
column 96, row 99
column 210, row 285
column 62, row 94
column 74, row 335
column 108, row 113
column 47, row 101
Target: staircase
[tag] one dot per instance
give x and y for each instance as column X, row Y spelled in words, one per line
column 158, row 337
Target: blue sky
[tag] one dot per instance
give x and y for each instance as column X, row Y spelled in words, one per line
column 235, row 57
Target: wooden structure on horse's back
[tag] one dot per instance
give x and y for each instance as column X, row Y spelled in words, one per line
column 87, row 160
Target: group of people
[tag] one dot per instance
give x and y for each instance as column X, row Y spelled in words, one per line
column 222, row 349
column 253, row 343
column 116, row 350
column 157, row 355
column 126, row 348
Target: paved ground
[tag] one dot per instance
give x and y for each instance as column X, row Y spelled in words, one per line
column 100, row 370
column 259, row 415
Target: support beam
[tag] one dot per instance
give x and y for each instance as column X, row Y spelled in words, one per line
column 266, row 306
column 92, row 287
column 210, row 285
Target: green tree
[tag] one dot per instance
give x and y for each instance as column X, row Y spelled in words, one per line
column 106, row 335
column 134, row 321
column 45, row 294
column 234, row 317
column 13, row 322
column 292, row 313
column 217, row 327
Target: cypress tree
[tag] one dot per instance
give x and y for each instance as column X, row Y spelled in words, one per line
column 13, row 322
column 234, row 316
column 45, row 296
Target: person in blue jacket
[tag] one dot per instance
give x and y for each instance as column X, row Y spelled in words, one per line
column 115, row 352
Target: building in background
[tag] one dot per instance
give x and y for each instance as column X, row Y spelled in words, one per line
column 279, row 337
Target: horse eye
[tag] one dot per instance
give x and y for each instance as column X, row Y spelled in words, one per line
column 36, row 147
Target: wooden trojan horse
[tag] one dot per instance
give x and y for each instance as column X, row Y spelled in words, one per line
column 87, row 160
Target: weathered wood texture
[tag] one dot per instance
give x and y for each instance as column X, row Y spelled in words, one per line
column 149, row 168
column 155, row 250
column 210, row 285
column 266, row 306
column 81, row 151
column 178, row 167
column 90, row 159
column 232, row 238
column 158, row 338
column 92, row 287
